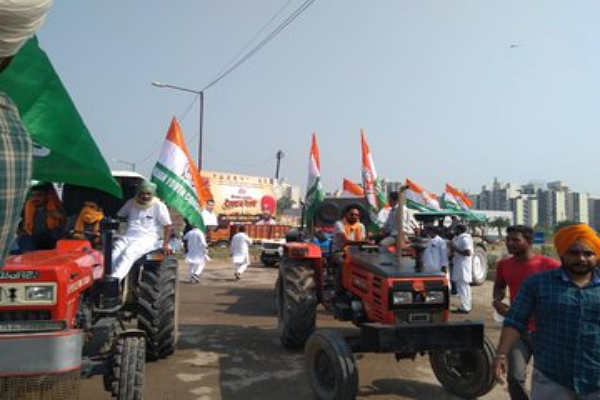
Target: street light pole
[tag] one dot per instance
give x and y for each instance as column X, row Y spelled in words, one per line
column 201, row 116
column 279, row 155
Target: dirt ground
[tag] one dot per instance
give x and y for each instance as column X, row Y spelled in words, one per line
column 229, row 348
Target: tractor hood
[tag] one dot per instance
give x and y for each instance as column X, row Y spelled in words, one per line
column 71, row 258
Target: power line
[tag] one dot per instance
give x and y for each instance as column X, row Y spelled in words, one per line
column 253, row 39
column 267, row 39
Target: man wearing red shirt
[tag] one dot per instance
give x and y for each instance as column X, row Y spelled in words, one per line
column 511, row 272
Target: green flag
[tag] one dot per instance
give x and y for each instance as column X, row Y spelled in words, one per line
column 64, row 150
column 177, row 179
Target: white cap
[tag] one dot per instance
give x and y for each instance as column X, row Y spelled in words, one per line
column 19, row 20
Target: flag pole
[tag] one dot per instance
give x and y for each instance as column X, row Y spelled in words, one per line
column 401, row 238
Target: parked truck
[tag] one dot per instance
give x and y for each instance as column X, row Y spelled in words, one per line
column 269, row 237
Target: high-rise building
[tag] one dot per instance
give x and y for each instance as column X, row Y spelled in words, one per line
column 594, row 212
column 552, row 208
column 536, row 203
column 525, row 210
column 579, row 208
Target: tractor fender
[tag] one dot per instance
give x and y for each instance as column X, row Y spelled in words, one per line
column 302, row 250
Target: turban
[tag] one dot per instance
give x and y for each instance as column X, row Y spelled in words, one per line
column 19, row 20
column 568, row 235
column 147, row 186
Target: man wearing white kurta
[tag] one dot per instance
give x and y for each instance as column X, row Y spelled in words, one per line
column 435, row 256
column 148, row 228
column 197, row 253
column 240, row 251
column 462, row 268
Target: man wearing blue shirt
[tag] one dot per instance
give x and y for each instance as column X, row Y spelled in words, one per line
column 565, row 305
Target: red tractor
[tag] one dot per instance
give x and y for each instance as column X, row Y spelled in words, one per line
column 395, row 307
column 63, row 318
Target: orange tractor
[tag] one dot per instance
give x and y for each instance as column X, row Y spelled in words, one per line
column 63, row 317
column 396, row 308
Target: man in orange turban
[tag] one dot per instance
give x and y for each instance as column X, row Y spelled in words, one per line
column 565, row 304
column 43, row 219
column 568, row 235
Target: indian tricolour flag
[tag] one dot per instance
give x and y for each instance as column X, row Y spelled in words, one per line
column 314, row 187
column 352, row 189
column 456, row 200
column 177, row 179
column 371, row 186
column 419, row 199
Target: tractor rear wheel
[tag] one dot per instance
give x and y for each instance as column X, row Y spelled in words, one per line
column 128, row 364
column 157, row 309
column 296, row 295
column 330, row 366
column 466, row 373
column 480, row 266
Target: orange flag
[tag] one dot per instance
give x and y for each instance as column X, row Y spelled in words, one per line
column 352, row 188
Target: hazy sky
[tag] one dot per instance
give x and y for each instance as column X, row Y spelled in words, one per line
column 447, row 91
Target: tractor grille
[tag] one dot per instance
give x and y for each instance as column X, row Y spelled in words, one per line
column 63, row 386
column 40, row 315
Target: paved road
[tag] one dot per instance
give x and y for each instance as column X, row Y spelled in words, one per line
column 229, row 349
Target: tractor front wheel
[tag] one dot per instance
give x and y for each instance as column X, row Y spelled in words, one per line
column 157, row 310
column 330, row 366
column 128, row 364
column 296, row 296
column 465, row 373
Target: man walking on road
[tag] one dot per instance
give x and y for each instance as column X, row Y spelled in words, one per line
column 197, row 253
column 565, row 304
column 240, row 251
column 511, row 272
column 462, row 268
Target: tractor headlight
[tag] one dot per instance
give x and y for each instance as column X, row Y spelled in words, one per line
column 39, row 293
column 434, row 297
column 402, row 298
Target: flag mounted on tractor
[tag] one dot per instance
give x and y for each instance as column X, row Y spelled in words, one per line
column 453, row 199
column 177, row 179
column 371, row 185
column 419, row 199
column 314, row 187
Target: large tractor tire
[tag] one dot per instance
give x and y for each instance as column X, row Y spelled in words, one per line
column 330, row 366
column 157, row 308
column 467, row 373
column 296, row 296
column 480, row 266
column 128, row 364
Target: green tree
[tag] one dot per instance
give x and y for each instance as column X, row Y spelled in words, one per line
column 284, row 203
column 500, row 223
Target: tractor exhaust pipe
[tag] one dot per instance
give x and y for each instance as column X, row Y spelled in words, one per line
column 110, row 288
column 401, row 238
